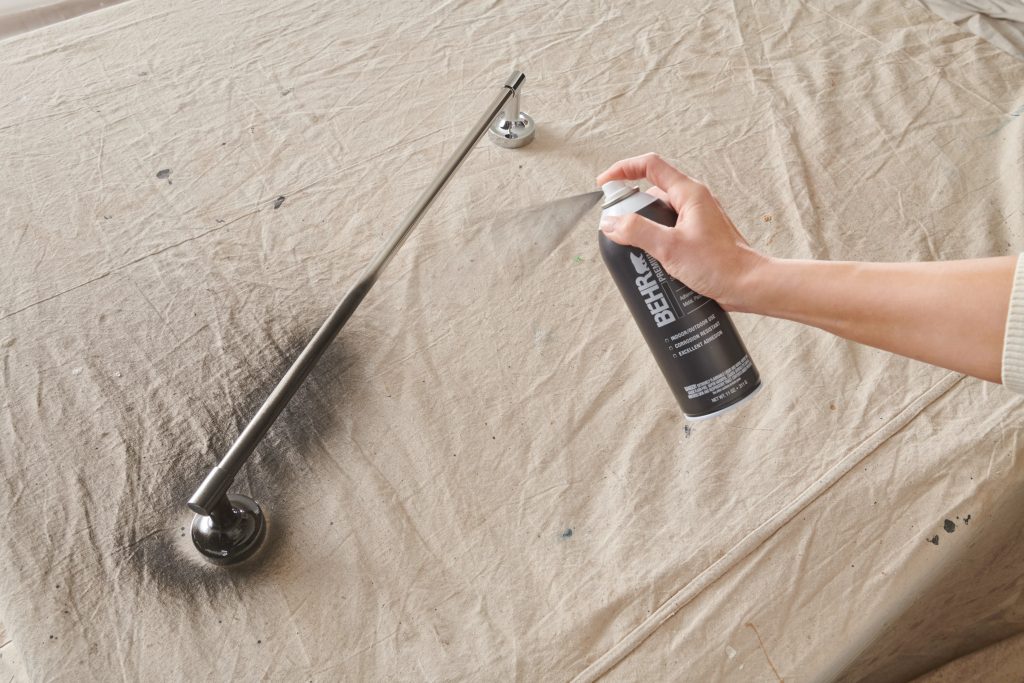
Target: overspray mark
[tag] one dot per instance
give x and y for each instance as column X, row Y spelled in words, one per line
column 567, row 533
column 164, row 174
column 164, row 556
column 967, row 519
column 934, row 540
column 278, row 202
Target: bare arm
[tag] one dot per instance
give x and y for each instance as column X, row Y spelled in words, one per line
column 948, row 313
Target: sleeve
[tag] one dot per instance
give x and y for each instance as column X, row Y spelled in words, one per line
column 1013, row 340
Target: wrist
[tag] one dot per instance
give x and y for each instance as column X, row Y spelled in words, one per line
column 757, row 286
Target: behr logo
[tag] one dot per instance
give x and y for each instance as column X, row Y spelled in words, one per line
column 639, row 263
column 651, row 292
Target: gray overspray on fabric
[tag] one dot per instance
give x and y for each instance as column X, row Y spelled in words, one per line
column 518, row 241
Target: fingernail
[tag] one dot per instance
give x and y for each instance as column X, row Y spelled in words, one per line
column 608, row 224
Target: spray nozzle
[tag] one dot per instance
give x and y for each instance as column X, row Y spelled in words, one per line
column 615, row 191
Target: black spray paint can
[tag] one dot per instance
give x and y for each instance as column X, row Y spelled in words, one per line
column 694, row 341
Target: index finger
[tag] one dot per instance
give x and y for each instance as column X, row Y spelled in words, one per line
column 650, row 166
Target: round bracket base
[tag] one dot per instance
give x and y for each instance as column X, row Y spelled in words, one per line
column 512, row 133
column 232, row 532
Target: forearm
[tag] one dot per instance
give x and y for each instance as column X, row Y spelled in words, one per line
column 947, row 313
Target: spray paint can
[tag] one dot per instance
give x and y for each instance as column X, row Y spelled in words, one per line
column 694, row 341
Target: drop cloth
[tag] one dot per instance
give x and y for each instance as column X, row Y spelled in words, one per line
column 1001, row 22
column 18, row 16
column 485, row 477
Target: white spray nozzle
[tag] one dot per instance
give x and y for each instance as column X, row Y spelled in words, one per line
column 615, row 191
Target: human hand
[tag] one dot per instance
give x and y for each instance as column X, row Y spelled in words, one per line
column 704, row 250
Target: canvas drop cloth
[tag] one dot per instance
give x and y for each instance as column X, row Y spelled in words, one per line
column 18, row 16
column 485, row 478
column 1001, row 22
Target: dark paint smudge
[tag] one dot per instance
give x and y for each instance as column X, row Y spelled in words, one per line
column 278, row 202
column 949, row 526
column 163, row 559
column 687, row 430
column 934, row 540
column 164, row 174
column 567, row 533
column 967, row 519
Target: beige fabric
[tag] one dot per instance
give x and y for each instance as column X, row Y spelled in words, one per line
column 19, row 16
column 1001, row 22
column 480, row 406
column 1002, row 662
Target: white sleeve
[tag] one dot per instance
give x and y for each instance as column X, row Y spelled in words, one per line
column 1013, row 341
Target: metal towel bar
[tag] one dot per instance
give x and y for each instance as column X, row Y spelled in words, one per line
column 229, row 527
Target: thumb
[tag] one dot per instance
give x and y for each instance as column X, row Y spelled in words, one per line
column 636, row 231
